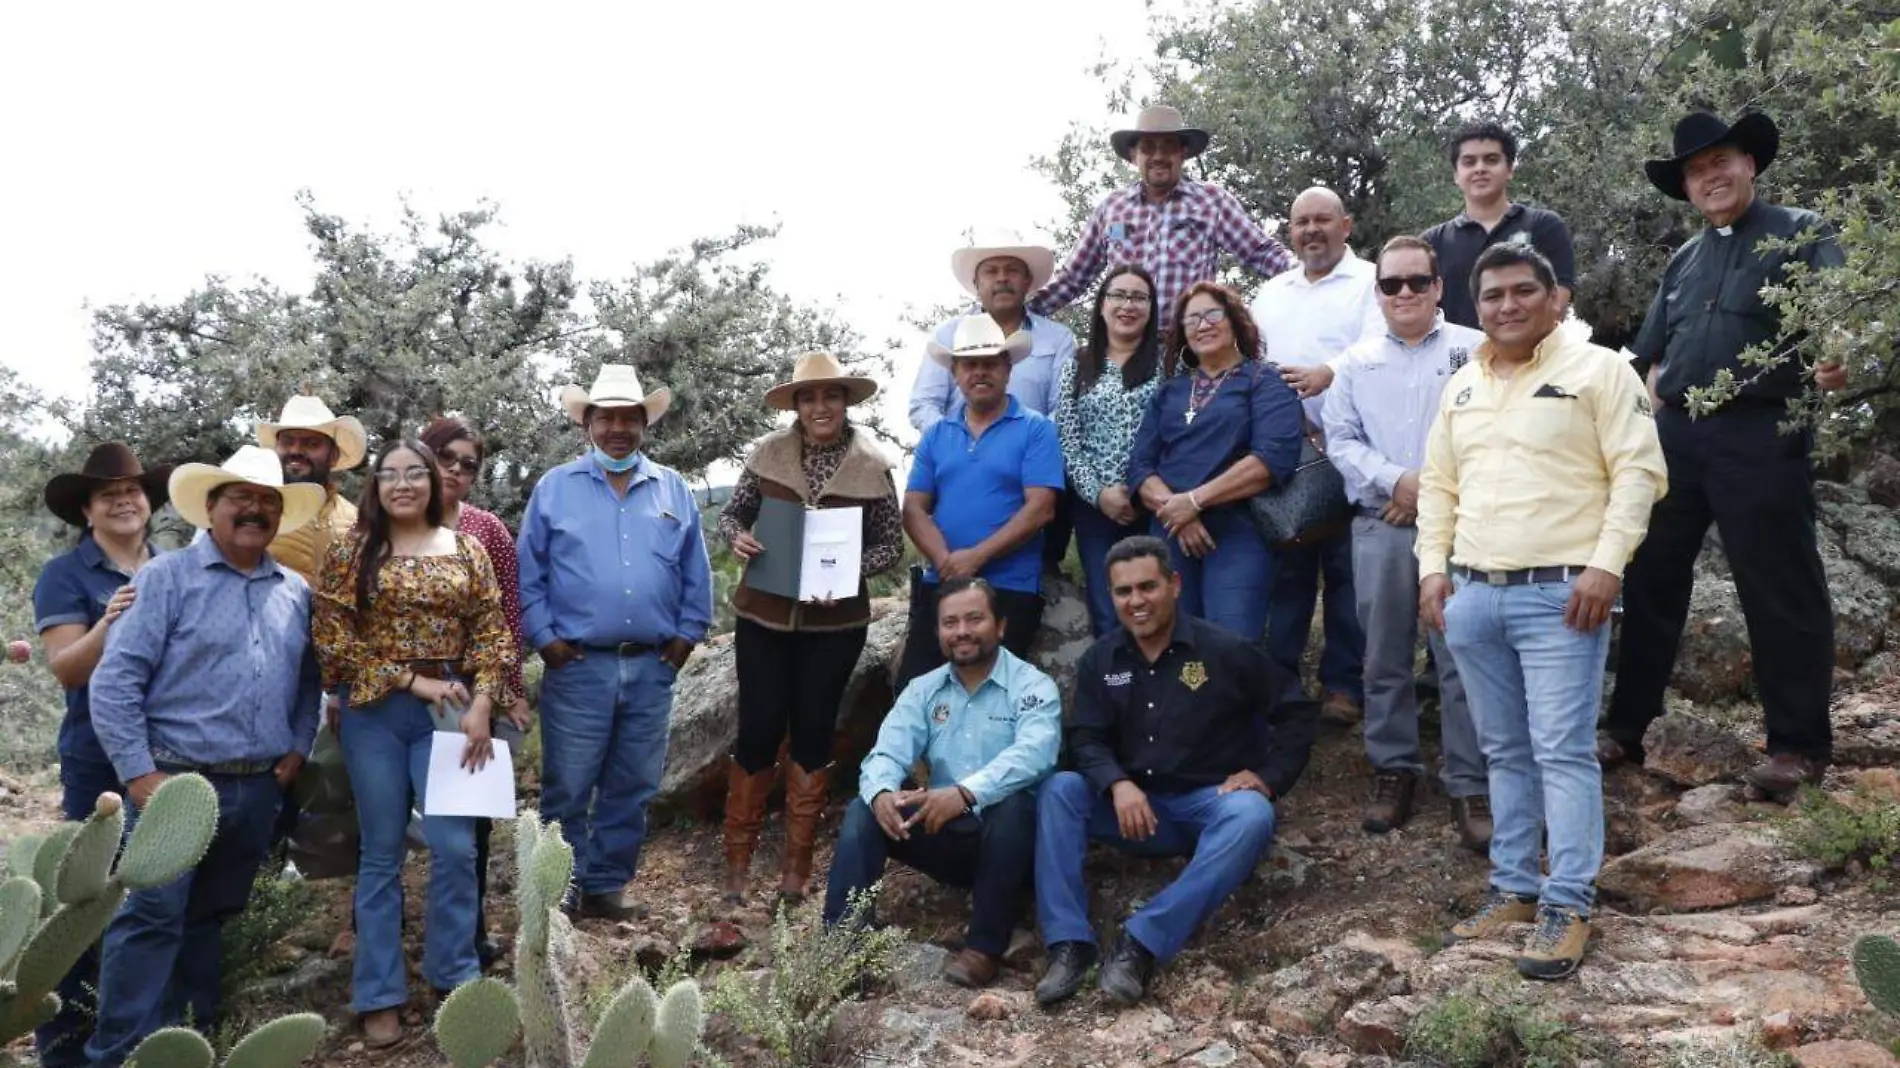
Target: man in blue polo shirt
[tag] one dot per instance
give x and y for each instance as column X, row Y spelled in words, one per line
column 983, row 484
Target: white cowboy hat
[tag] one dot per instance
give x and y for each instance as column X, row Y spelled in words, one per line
column 819, row 369
column 616, row 387
column 304, row 412
column 192, row 482
column 998, row 244
column 1158, row 119
column 978, row 335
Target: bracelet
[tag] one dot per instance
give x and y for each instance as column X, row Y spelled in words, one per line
column 969, row 799
column 1194, row 501
column 409, row 685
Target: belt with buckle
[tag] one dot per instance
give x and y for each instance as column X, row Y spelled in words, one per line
column 172, row 762
column 1525, row 576
column 440, row 670
column 624, row 649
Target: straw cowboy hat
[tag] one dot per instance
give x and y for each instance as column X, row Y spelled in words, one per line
column 616, row 387
column 250, row 465
column 1753, row 133
column 978, row 335
column 305, row 412
column 67, row 495
column 819, row 369
column 997, row 244
column 1158, row 119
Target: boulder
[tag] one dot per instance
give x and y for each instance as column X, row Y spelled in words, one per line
column 1307, row 998
column 1714, row 803
column 1693, row 750
column 1707, row 867
column 1378, row 1027
column 1866, row 732
column 1841, row 1053
column 1714, row 662
column 1879, row 478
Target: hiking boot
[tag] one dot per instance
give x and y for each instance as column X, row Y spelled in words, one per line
column 1472, row 816
column 382, row 1028
column 1782, row 775
column 1069, row 964
column 1498, row 912
column 1555, row 946
column 1127, row 971
column 1392, row 795
column 972, row 968
column 1611, row 753
column 609, row 906
column 1341, row 709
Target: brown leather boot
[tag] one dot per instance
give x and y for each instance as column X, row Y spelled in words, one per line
column 745, row 814
column 806, row 793
column 1782, row 776
column 1393, row 794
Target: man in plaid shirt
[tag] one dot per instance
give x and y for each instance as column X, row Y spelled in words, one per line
column 1174, row 227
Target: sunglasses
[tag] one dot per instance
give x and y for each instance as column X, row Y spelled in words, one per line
column 467, row 465
column 1419, row 283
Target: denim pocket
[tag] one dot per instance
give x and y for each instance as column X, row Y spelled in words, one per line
column 1554, row 595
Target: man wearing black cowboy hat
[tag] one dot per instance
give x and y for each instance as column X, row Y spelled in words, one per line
column 1732, row 467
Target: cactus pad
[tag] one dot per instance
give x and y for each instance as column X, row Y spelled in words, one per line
column 20, row 855
column 46, row 862
column 58, row 944
column 682, row 1020
column 172, row 1047
column 88, row 861
column 282, row 1043
column 478, row 1023
column 173, row 832
column 1877, row 966
column 625, row 1028
column 19, row 918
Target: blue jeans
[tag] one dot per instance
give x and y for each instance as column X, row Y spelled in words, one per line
column 1290, row 615
column 603, row 747
column 161, row 959
column 386, row 749
column 61, row 1042
column 1227, row 587
column 1225, row 834
column 1095, row 535
column 1535, row 687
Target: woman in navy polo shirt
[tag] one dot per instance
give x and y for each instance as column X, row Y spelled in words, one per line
column 1212, row 438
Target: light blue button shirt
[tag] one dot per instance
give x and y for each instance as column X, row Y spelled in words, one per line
column 1000, row 739
column 934, row 394
column 1382, row 404
column 601, row 569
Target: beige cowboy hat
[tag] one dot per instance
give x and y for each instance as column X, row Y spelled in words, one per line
column 191, row 483
column 999, row 244
column 1158, row 119
column 819, row 369
column 305, row 412
column 67, row 494
column 616, row 386
column 979, row 335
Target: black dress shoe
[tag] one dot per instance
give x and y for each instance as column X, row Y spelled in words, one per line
column 1069, row 964
column 1127, row 971
column 488, row 951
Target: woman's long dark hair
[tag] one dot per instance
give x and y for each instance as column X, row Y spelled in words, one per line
column 1239, row 319
column 372, row 523
column 1093, row 360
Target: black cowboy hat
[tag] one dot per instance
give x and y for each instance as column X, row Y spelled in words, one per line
column 67, row 495
column 1753, row 133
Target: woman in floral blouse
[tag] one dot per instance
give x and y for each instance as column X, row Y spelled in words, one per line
column 1103, row 392
column 795, row 657
column 409, row 623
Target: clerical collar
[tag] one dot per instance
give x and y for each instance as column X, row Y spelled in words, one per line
column 1725, row 231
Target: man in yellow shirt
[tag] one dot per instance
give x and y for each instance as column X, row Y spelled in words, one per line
column 1538, row 479
column 313, row 444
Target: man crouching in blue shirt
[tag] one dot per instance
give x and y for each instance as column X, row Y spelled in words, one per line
column 990, row 726
column 211, row 671
column 1183, row 736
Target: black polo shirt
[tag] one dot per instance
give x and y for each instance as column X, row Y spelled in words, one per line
column 1461, row 240
column 1211, row 705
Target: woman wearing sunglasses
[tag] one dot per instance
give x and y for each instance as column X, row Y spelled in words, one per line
column 1213, row 437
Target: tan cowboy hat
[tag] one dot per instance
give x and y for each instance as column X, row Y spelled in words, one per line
column 1158, row 119
column 617, row 386
column 251, row 465
column 998, row 244
column 1753, row 133
column 978, row 335
column 305, row 412
column 819, row 369
column 67, row 495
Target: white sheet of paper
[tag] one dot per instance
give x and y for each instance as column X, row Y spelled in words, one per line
column 456, row 791
column 834, row 547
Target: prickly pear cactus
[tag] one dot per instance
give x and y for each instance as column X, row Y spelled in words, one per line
column 285, row 1042
column 1877, row 967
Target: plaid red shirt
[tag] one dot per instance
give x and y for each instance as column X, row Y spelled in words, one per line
column 1179, row 241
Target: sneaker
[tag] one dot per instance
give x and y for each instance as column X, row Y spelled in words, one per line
column 1393, row 793
column 1472, row 816
column 1555, row 946
column 1341, row 709
column 1069, row 964
column 1127, row 971
column 1498, row 912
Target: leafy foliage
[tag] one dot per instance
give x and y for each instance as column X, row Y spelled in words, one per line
column 1865, row 828
column 1479, row 1027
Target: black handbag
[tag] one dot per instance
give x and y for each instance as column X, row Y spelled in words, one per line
column 1309, row 507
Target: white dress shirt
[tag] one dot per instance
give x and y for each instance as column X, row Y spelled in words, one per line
column 1383, row 402
column 1306, row 323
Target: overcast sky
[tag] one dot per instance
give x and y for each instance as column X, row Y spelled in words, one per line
column 148, row 145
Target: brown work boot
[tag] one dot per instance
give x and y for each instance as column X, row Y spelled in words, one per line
column 806, row 793
column 972, row 968
column 1341, row 709
column 1392, row 795
column 745, row 814
column 382, row 1028
column 1782, row 775
column 609, row 906
column 1498, row 912
column 1611, row 753
column 1555, row 946
column 1472, row 816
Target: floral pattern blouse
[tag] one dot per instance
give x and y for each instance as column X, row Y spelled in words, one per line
column 423, row 608
column 1098, row 428
column 487, row 528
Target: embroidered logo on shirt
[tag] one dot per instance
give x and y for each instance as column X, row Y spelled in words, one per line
column 1460, row 357
column 940, row 715
column 1550, row 389
column 1521, row 238
column 1642, row 406
column 1119, row 678
column 1029, row 702
column 1463, row 396
column 1194, row 674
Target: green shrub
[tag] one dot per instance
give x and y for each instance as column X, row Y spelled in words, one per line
column 1474, row 1027
column 276, row 907
column 1834, row 832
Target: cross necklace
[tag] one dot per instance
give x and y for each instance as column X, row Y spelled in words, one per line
column 1205, row 388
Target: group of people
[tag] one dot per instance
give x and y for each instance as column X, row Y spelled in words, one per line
column 1508, row 481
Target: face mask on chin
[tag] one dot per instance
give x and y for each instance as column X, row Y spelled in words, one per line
column 613, row 466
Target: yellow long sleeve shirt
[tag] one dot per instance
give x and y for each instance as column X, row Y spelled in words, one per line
column 1556, row 465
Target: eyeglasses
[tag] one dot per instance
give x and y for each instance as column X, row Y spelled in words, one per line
column 1211, row 317
column 1418, row 282
column 1127, row 296
column 408, row 476
column 467, row 465
column 253, row 501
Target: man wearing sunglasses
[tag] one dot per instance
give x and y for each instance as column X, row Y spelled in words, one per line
column 1483, row 160
column 1378, row 412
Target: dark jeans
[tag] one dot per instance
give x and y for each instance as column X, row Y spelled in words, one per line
column 61, row 1042
column 1022, row 617
column 990, row 854
column 162, row 962
column 1095, row 535
column 1055, row 534
column 1290, row 616
column 795, row 679
column 1734, row 470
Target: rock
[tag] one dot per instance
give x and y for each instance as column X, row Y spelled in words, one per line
column 988, row 1005
column 1283, row 869
column 1796, row 896
column 1308, row 997
column 1692, row 750
column 1780, row 1030
column 1714, row 803
column 1842, row 1054
column 1705, row 868
column 1866, row 732
column 919, row 965
column 1313, row 1058
column 1714, row 661
column 1378, row 1027
column 1216, row 1055
column 1880, row 478
column 719, row 939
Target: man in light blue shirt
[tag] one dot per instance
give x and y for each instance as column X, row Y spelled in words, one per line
column 616, row 590
column 990, row 726
column 1381, row 407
